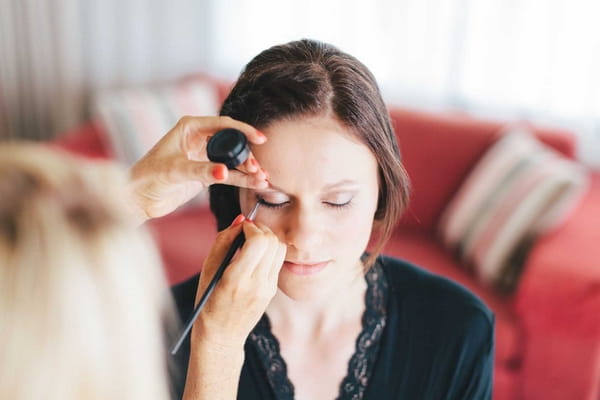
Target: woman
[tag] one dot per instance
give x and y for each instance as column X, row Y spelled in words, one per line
column 78, row 281
column 304, row 312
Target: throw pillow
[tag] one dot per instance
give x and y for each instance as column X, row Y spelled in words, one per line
column 519, row 190
column 136, row 118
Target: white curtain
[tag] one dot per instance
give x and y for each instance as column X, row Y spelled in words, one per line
column 55, row 53
column 506, row 59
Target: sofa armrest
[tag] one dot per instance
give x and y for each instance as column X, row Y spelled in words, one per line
column 558, row 304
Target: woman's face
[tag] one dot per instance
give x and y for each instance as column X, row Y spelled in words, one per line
column 321, row 204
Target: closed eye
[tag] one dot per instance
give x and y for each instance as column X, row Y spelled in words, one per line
column 276, row 205
column 339, row 205
column 273, row 205
column 282, row 204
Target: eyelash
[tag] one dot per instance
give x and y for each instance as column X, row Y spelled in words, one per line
column 280, row 205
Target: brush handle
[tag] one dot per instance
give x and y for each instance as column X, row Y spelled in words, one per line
column 237, row 243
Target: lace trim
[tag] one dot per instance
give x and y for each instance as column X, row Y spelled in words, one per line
column 268, row 350
column 353, row 386
column 367, row 344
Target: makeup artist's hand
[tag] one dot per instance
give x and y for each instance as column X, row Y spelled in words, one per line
column 177, row 167
column 245, row 289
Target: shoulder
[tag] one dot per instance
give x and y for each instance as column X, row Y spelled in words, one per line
column 435, row 301
column 443, row 332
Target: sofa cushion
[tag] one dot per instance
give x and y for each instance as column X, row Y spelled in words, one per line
column 135, row 118
column 184, row 238
column 438, row 152
column 87, row 140
column 423, row 250
column 519, row 190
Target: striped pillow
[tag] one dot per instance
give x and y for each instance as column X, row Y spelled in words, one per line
column 517, row 191
column 136, row 118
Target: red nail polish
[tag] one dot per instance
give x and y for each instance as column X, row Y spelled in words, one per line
column 238, row 220
column 218, row 172
column 254, row 162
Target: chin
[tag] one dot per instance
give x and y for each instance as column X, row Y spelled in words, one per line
column 303, row 289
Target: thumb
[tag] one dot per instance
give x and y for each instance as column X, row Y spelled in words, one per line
column 204, row 171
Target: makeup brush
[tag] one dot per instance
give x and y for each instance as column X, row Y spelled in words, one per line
column 235, row 246
column 230, row 147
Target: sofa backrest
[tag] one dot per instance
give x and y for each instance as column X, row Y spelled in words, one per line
column 439, row 150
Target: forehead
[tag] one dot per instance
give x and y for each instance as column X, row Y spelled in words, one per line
column 317, row 149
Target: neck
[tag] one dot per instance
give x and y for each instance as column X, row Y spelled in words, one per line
column 344, row 304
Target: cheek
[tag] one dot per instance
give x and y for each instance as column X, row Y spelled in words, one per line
column 273, row 219
column 353, row 228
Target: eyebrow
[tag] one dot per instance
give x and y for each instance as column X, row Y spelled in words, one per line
column 329, row 186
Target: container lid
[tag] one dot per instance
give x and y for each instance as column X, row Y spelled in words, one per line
column 228, row 146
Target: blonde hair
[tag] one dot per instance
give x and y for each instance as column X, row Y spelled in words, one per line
column 83, row 298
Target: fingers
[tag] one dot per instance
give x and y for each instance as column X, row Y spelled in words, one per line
column 207, row 173
column 177, row 167
column 222, row 244
column 261, row 254
column 196, row 131
column 250, row 165
column 182, row 170
column 256, row 180
column 251, row 254
column 277, row 262
column 272, row 260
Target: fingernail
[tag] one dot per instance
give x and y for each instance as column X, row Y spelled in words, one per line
column 261, row 135
column 218, row 172
column 238, row 220
column 254, row 162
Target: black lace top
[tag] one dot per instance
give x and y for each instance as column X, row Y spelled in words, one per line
column 361, row 364
column 423, row 337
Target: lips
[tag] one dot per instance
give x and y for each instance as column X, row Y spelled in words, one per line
column 305, row 267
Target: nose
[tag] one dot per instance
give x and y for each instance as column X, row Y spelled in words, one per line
column 303, row 231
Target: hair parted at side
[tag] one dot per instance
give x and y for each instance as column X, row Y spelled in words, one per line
column 311, row 78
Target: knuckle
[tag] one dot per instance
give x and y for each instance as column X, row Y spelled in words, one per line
column 271, row 235
column 201, row 171
column 230, row 283
column 260, row 241
column 171, row 173
column 184, row 121
column 272, row 238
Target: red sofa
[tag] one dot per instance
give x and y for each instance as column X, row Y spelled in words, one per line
column 547, row 332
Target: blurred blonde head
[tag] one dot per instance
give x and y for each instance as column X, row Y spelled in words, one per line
column 82, row 293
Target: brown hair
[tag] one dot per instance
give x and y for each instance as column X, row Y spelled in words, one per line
column 311, row 78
